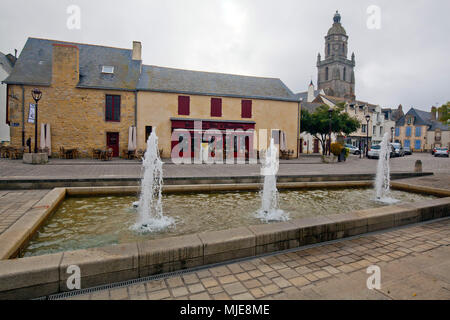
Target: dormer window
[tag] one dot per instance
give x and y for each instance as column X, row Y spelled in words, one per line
column 108, row 69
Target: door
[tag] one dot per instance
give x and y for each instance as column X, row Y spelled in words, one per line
column 112, row 141
column 301, row 145
column 316, row 146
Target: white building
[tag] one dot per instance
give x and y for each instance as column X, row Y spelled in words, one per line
column 6, row 65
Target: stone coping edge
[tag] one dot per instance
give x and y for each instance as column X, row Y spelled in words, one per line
column 17, row 236
column 52, row 182
column 134, row 190
column 38, row 276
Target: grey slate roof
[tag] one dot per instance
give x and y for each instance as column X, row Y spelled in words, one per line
column 34, row 65
column 438, row 125
column 423, row 118
column 310, row 107
column 161, row 79
column 304, row 95
column 5, row 63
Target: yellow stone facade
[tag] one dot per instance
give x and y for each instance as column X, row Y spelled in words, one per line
column 76, row 116
column 156, row 109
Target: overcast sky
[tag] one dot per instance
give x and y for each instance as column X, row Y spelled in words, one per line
column 404, row 62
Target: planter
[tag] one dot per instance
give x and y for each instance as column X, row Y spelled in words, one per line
column 329, row 159
column 35, row 158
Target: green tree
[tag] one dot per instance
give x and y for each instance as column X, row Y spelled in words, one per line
column 318, row 123
column 443, row 113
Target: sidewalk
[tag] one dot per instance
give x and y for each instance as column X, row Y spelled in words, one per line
column 15, row 169
column 414, row 263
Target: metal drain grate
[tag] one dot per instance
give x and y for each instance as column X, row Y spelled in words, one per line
column 69, row 294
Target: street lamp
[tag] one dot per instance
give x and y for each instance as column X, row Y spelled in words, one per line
column 330, row 112
column 37, row 95
column 367, row 141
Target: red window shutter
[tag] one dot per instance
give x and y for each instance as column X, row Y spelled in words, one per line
column 246, row 109
column 216, row 107
column 183, row 105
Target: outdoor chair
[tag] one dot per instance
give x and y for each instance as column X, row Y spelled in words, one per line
column 62, row 154
column 109, row 154
column 139, row 154
column 96, row 153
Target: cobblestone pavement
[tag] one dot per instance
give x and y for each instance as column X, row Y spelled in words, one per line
column 13, row 205
column 414, row 264
column 85, row 168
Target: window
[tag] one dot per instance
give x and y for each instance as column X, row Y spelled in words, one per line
column 418, row 131
column 326, row 73
column 216, row 107
column 374, row 130
column 328, row 48
column 183, row 105
column 381, row 131
column 407, row 143
column 345, row 73
column 107, row 69
column 397, row 131
column 363, row 128
column 417, row 144
column 408, row 131
column 246, row 109
column 148, row 132
column 112, row 112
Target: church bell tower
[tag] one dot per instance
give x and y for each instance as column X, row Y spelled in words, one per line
column 336, row 74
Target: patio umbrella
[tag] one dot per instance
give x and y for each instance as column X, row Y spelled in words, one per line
column 132, row 139
column 48, row 141
column 45, row 141
column 283, row 141
column 42, row 141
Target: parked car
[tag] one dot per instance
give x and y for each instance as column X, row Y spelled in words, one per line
column 374, row 152
column 441, row 152
column 407, row 150
column 433, row 151
column 398, row 149
column 353, row 149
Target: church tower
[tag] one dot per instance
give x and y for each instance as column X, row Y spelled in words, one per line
column 336, row 74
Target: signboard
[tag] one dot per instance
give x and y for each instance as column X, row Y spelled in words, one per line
column 32, row 113
column 15, row 124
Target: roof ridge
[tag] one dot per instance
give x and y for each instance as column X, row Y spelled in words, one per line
column 211, row 72
column 79, row 43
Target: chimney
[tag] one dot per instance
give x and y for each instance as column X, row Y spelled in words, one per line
column 137, row 50
column 433, row 113
column 65, row 65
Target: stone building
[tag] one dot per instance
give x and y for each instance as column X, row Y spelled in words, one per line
column 6, row 65
column 88, row 94
column 92, row 95
column 421, row 131
column 336, row 74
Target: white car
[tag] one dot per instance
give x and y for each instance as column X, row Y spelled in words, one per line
column 352, row 149
column 374, row 152
column 441, row 152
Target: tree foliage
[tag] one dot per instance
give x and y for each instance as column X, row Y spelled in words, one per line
column 318, row 123
column 443, row 113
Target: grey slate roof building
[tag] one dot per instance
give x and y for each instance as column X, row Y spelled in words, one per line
column 422, row 118
column 161, row 79
column 34, row 66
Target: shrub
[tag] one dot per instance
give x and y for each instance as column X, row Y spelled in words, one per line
column 336, row 148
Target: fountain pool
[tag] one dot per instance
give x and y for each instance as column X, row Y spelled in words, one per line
column 99, row 221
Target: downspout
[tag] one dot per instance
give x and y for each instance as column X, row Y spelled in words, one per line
column 23, row 116
column 298, row 128
column 135, row 114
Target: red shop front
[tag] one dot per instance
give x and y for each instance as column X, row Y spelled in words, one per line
column 233, row 135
